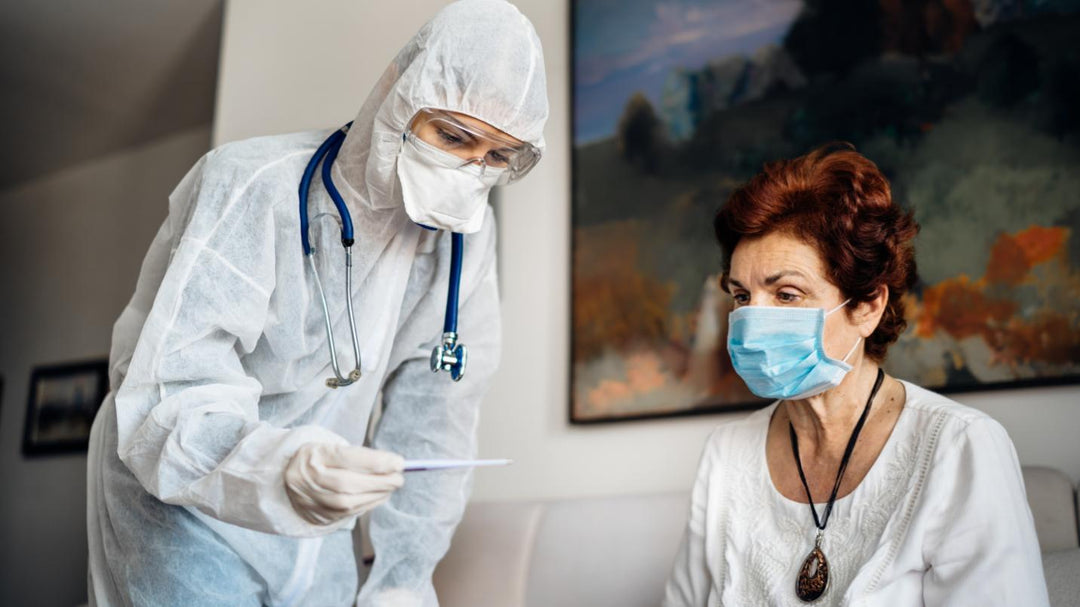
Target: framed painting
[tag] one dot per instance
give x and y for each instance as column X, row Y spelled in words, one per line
column 969, row 108
column 61, row 407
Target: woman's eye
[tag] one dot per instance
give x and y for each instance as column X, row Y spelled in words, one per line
column 449, row 138
column 497, row 158
column 741, row 299
column 787, row 297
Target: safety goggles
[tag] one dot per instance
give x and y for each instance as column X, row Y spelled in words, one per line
column 440, row 130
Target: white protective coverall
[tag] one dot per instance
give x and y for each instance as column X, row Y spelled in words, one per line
column 218, row 362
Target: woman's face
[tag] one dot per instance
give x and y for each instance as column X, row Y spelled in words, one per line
column 466, row 137
column 782, row 271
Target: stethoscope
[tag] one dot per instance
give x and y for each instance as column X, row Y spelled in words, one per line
column 449, row 356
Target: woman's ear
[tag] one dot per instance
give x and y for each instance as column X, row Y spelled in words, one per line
column 868, row 314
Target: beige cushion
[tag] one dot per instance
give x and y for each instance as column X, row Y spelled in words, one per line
column 601, row 552
column 1050, row 495
column 595, row 552
column 618, row 551
column 488, row 559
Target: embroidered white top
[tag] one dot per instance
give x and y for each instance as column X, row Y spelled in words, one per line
column 941, row 518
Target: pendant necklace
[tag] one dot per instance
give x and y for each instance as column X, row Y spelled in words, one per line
column 813, row 577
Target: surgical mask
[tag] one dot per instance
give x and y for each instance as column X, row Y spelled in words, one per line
column 780, row 353
column 442, row 191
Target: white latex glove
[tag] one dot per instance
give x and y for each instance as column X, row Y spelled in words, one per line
column 326, row 483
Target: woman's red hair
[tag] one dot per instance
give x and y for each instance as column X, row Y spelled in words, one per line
column 837, row 201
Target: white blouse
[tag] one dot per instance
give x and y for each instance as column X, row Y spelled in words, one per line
column 941, row 518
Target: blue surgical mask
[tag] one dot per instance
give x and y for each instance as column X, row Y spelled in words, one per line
column 780, row 352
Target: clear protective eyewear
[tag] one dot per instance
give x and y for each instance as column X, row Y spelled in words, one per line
column 438, row 130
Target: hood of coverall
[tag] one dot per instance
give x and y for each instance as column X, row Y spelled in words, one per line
column 477, row 57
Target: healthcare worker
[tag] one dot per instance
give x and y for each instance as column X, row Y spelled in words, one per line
column 223, row 469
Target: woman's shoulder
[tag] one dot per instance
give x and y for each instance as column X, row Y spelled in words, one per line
column 931, row 405
column 948, row 423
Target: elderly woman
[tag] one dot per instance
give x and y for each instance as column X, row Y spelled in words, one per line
column 852, row 488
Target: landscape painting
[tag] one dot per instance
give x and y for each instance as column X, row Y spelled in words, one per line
column 969, row 107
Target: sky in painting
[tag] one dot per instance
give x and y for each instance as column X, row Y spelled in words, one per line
column 625, row 46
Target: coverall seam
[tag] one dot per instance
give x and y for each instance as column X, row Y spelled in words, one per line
column 175, row 311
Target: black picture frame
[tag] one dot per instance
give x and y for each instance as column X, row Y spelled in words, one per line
column 63, row 400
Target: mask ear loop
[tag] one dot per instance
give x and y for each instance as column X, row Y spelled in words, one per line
column 842, row 304
column 852, row 350
column 857, row 341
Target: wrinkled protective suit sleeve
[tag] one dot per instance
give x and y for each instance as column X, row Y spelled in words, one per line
column 428, row 416
column 983, row 549
column 188, row 425
column 689, row 582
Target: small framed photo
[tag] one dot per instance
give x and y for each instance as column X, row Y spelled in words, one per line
column 62, row 404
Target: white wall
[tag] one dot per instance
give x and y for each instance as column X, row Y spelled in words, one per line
column 286, row 67
column 71, row 244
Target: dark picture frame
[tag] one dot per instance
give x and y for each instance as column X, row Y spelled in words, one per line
column 971, row 117
column 63, row 400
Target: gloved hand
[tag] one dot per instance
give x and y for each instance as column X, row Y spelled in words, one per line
column 326, row 483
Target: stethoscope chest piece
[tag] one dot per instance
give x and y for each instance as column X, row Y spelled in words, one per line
column 450, row 356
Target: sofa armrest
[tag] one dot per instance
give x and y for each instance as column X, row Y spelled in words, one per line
column 1053, row 504
column 1062, row 569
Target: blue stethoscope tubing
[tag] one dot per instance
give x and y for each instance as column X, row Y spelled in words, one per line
column 449, row 356
column 329, row 151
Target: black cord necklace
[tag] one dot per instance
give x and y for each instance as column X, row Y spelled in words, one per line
column 813, row 577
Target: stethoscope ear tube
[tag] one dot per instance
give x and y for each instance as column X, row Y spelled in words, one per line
column 305, row 187
column 326, row 153
column 328, row 182
column 338, row 380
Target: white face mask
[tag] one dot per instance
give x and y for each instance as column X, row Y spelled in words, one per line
column 441, row 193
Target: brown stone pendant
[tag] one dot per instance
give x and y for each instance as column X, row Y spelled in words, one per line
column 813, row 577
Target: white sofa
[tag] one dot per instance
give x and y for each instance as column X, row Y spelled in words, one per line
column 618, row 551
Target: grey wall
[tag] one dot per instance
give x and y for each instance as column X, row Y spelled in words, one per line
column 71, row 245
column 105, row 105
column 100, row 77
